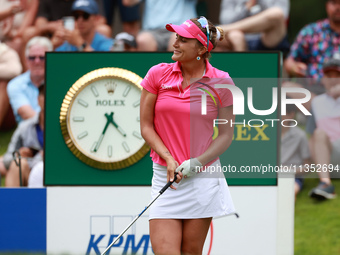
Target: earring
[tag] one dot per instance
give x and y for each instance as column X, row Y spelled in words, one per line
column 198, row 58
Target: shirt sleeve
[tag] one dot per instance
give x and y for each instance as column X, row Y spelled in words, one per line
column 300, row 48
column 150, row 81
column 16, row 97
column 105, row 45
column 60, row 48
column 66, row 47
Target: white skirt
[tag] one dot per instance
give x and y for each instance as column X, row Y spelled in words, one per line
column 201, row 196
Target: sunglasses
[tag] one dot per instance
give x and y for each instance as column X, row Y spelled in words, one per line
column 32, row 58
column 84, row 15
column 204, row 23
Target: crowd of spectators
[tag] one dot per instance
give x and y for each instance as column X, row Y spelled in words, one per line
column 29, row 28
column 314, row 58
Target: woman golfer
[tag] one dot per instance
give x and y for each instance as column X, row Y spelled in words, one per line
column 178, row 106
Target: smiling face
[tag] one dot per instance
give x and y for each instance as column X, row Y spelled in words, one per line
column 186, row 49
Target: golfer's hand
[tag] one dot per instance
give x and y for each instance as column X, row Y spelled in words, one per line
column 189, row 167
column 171, row 167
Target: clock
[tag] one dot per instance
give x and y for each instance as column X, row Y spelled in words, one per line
column 100, row 121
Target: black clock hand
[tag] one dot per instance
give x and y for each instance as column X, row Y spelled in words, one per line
column 108, row 120
column 115, row 124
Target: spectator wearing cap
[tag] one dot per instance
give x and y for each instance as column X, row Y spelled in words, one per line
column 84, row 36
column 324, row 127
column 51, row 14
column 23, row 90
column 125, row 42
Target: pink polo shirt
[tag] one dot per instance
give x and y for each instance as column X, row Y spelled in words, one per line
column 178, row 116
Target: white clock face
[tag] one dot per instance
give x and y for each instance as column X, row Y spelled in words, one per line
column 103, row 120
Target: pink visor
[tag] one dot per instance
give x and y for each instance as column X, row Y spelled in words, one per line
column 190, row 30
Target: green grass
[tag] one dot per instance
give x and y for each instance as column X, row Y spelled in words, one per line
column 5, row 138
column 317, row 223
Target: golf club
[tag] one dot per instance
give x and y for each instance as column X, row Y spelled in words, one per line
column 137, row 217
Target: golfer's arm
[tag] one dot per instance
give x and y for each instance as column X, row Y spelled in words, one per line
column 147, row 110
column 224, row 138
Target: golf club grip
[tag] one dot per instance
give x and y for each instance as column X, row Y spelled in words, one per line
column 168, row 184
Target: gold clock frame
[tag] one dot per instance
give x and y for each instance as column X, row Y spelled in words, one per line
column 79, row 85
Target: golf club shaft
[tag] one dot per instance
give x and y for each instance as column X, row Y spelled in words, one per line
column 137, row 217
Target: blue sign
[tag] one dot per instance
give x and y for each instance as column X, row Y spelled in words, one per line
column 23, row 220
